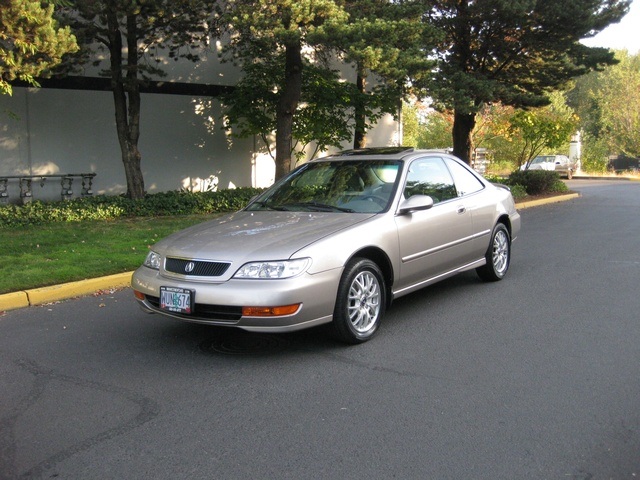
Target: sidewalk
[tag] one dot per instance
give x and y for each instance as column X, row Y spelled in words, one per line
column 40, row 296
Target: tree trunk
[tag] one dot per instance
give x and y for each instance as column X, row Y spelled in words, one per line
column 287, row 106
column 126, row 96
column 463, row 124
column 359, row 135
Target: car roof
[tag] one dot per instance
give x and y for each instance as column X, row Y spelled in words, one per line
column 377, row 153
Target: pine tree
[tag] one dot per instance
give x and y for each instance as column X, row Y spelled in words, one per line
column 31, row 43
column 513, row 52
column 387, row 41
column 266, row 30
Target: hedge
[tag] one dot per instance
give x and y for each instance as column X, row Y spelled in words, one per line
column 103, row 207
column 532, row 182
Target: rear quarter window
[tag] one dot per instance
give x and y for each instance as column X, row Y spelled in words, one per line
column 465, row 181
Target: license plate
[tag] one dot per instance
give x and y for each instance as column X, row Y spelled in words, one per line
column 179, row 300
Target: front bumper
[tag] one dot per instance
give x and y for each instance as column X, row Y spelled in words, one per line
column 221, row 303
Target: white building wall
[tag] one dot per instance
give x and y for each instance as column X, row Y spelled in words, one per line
column 56, row 131
column 72, row 131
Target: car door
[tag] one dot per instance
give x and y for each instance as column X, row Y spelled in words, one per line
column 437, row 240
column 479, row 204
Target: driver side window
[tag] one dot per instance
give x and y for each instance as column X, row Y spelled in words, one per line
column 430, row 176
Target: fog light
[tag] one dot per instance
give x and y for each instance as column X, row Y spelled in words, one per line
column 270, row 311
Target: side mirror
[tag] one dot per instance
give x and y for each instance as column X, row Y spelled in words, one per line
column 415, row 203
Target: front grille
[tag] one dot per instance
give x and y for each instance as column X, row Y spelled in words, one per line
column 204, row 311
column 200, row 267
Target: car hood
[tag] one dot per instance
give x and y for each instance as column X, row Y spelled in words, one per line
column 245, row 236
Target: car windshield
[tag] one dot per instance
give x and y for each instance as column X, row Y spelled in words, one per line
column 543, row 159
column 353, row 186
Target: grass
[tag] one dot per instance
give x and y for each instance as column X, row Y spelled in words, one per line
column 39, row 256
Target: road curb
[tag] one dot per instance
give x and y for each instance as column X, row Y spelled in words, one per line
column 11, row 301
column 39, row 296
column 595, row 177
column 545, row 201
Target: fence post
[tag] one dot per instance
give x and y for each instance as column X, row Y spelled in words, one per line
column 25, row 190
column 66, row 192
column 4, row 195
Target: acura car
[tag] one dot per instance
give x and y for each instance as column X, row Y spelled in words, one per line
column 335, row 241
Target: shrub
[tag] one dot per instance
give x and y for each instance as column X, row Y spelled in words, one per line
column 517, row 191
column 106, row 207
column 531, row 182
column 537, row 182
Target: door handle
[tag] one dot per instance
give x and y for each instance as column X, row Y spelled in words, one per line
column 462, row 209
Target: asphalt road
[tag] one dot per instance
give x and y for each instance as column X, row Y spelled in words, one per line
column 534, row 377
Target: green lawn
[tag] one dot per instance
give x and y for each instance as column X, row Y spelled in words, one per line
column 39, row 256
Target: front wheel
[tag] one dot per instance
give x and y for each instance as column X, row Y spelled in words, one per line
column 360, row 303
column 498, row 255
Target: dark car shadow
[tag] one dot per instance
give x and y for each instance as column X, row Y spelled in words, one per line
column 229, row 341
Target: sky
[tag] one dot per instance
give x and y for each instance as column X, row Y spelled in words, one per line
column 623, row 35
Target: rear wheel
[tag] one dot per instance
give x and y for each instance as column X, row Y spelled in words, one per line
column 360, row 303
column 498, row 255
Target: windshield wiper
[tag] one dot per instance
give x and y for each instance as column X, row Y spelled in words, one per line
column 268, row 206
column 319, row 207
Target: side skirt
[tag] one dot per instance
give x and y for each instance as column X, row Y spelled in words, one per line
column 429, row 281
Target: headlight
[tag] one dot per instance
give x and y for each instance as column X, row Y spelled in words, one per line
column 278, row 269
column 153, row 260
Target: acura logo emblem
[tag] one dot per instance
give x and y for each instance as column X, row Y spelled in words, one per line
column 189, row 267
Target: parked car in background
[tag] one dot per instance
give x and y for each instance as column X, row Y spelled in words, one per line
column 335, row 241
column 558, row 163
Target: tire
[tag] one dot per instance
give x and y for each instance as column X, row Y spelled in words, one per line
column 498, row 255
column 360, row 303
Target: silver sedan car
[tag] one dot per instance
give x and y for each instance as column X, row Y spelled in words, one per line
column 554, row 163
column 335, row 241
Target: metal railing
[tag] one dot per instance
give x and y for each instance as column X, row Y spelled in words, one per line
column 26, row 182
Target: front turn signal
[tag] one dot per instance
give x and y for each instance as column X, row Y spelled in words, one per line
column 270, row 311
